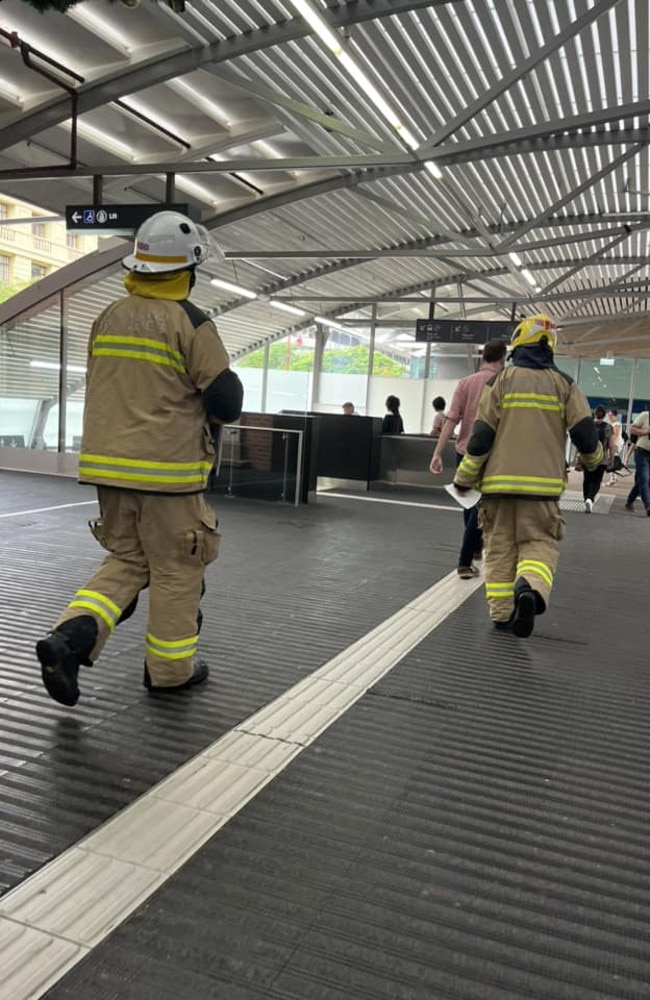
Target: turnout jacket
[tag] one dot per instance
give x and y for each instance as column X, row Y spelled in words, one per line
column 157, row 376
column 517, row 446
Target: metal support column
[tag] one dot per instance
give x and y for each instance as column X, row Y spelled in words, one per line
column 320, row 339
column 371, row 353
column 170, row 188
column 265, row 377
column 98, row 189
column 63, row 369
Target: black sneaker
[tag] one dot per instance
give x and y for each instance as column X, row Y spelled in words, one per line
column 630, row 507
column 524, row 617
column 59, row 668
column 200, row 673
column 505, row 626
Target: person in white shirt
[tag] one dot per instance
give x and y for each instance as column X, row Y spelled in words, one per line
column 618, row 444
column 439, row 418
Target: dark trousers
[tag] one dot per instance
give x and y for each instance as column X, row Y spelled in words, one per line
column 472, row 542
column 591, row 482
column 641, row 478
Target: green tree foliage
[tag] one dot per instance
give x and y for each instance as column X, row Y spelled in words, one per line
column 6, row 290
column 345, row 360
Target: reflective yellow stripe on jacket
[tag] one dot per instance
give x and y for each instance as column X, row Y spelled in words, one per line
column 139, row 349
column 531, row 401
column 180, row 649
column 525, row 485
column 133, row 470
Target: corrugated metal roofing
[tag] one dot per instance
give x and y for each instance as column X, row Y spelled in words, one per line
column 536, row 113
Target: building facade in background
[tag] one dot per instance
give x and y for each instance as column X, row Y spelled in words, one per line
column 33, row 249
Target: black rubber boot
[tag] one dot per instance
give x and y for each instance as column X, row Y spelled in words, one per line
column 61, row 653
column 199, row 674
column 523, row 619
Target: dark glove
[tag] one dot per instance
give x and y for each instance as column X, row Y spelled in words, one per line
column 461, row 489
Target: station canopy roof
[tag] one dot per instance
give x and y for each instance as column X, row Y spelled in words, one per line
column 351, row 158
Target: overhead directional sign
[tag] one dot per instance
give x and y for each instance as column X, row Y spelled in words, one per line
column 461, row 331
column 120, row 220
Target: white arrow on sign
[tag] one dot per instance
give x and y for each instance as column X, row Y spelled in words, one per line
column 75, row 217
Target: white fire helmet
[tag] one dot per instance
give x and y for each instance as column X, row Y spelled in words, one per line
column 169, row 241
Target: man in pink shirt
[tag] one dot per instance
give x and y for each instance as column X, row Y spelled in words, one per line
column 463, row 409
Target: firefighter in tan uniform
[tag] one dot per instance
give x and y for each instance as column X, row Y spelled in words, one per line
column 158, row 382
column 516, row 458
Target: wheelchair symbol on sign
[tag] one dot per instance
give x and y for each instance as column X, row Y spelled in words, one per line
column 89, row 216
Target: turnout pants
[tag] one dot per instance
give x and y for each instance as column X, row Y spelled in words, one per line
column 521, row 544
column 165, row 543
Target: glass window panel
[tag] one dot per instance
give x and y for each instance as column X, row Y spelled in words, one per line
column 641, row 387
column 397, row 354
column 606, row 382
column 252, row 380
column 344, row 370
column 29, row 376
column 291, row 363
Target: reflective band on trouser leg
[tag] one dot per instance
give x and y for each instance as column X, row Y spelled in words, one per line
column 538, row 575
column 170, row 662
column 179, row 649
column 99, row 605
column 500, row 598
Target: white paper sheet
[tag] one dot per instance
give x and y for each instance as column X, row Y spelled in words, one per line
column 466, row 500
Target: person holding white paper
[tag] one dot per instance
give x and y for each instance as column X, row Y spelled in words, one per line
column 515, row 457
column 463, row 410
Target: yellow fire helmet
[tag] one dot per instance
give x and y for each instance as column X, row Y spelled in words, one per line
column 533, row 330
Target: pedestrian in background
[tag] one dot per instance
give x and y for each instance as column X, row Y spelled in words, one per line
column 464, row 405
column 439, row 417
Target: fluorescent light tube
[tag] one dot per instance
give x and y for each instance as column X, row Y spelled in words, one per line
column 516, row 259
column 528, row 276
column 287, row 308
column 230, row 287
column 318, row 24
column 329, row 322
column 434, row 169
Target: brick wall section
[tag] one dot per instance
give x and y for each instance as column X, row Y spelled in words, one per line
column 257, row 446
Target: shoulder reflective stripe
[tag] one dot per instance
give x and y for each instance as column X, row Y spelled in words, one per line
column 137, row 463
column 145, row 342
column 540, row 568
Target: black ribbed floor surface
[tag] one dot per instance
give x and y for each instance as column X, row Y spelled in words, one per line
column 291, row 588
column 475, row 828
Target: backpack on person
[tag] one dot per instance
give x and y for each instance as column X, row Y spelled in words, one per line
column 604, row 429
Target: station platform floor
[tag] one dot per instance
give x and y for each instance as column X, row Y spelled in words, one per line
column 374, row 797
